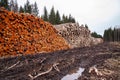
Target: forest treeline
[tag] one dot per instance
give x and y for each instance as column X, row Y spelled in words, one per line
column 96, row 35
column 55, row 18
column 52, row 17
column 112, row 34
column 12, row 5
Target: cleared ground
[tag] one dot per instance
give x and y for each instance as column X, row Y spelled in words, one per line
column 54, row 66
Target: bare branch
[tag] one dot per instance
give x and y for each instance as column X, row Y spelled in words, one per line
column 13, row 65
column 42, row 60
column 39, row 74
column 95, row 70
column 55, row 67
column 33, row 77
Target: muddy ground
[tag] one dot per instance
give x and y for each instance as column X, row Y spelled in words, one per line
column 55, row 65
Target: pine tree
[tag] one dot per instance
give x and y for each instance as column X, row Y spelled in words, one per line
column 4, row 3
column 66, row 19
column 109, row 34
column 105, row 35
column 58, row 19
column 115, row 34
column 27, row 7
column 52, row 16
column 94, row 34
column 13, row 6
column 112, row 34
column 21, row 9
column 73, row 20
column 86, row 26
column 45, row 15
column 16, row 6
column 55, row 18
column 70, row 18
column 119, row 34
column 63, row 18
column 35, row 10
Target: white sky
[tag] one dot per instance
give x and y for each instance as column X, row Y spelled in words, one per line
column 98, row 14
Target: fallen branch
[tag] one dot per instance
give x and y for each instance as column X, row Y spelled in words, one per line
column 42, row 60
column 95, row 70
column 55, row 67
column 33, row 77
column 13, row 65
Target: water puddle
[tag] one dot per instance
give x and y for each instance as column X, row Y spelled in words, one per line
column 74, row 75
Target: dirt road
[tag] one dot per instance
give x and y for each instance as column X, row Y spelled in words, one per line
column 55, row 65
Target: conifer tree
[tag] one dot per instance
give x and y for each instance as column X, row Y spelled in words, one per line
column 94, row 34
column 16, row 6
column 4, row 3
column 27, row 7
column 58, row 19
column 21, row 10
column 86, row 26
column 63, row 18
column 52, row 16
column 55, row 18
column 73, row 20
column 35, row 10
column 112, row 34
column 105, row 35
column 45, row 15
column 66, row 19
column 13, row 5
column 70, row 18
column 115, row 34
column 109, row 35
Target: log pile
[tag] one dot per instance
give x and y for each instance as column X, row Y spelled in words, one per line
column 77, row 36
column 27, row 34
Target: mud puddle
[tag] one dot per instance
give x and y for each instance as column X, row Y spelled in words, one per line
column 74, row 75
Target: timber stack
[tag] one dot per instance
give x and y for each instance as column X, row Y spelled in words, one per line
column 27, row 34
column 77, row 36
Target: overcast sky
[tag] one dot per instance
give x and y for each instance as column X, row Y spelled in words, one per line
column 98, row 14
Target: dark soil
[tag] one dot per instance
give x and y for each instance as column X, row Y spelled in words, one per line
column 19, row 68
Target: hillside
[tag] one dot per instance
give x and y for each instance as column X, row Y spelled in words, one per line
column 27, row 34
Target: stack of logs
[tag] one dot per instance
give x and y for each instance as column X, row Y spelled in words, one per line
column 77, row 36
column 27, row 34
